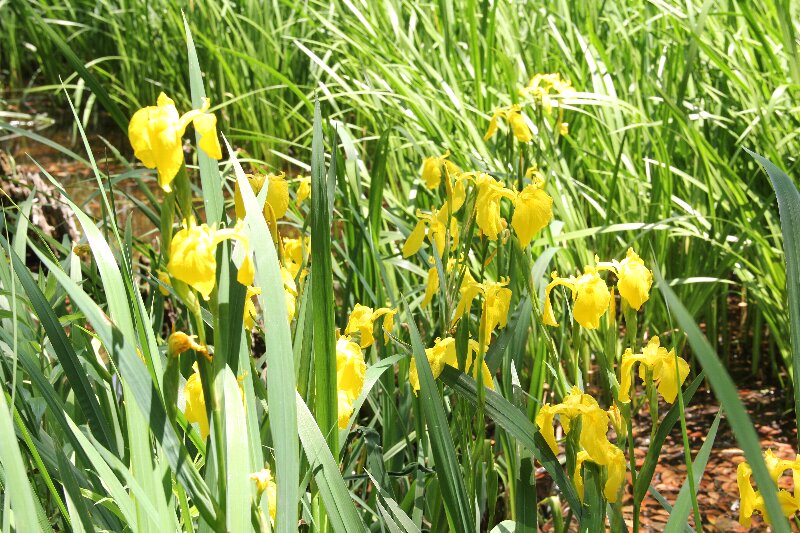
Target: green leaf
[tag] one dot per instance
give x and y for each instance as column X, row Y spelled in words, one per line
column 645, row 475
column 15, row 474
column 338, row 503
column 281, row 385
column 448, row 472
column 789, row 208
column 683, row 504
column 210, row 178
column 728, row 396
column 74, row 372
column 325, row 404
column 514, row 421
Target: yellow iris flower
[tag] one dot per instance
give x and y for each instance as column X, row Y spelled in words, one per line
column 541, row 86
column 496, row 303
column 296, row 252
column 533, row 209
column 593, row 439
column 435, row 224
column 362, row 321
column 350, row 371
column 266, row 485
column 512, row 114
column 193, row 256
column 432, row 169
column 487, row 203
column 751, row 501
column 590, row 295
column 444, row 353
column 661, row 362
column 634, row 279
column 156, row 135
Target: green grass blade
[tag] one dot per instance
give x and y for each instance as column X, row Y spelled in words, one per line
column 237, row 458
column 325, row 404
column 725, row 391
column 683, row 504
column 210, row 178
column 789, row 208
column 449, row 474
column 74, row 372
column 338, row 502
column 17, row 486
column 645, row 475
column 515, row 422
column 281, row 385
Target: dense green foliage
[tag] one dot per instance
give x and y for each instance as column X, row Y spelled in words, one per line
column 669, row 96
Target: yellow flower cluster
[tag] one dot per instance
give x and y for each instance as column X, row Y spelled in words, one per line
column 752, row 501
column 516, row 120
column 444, row 353
column 669, row 371
column 593, row 438
column 591, row 296
column 266, row 485
column 156, row 135
column 496, row 303
column 532, row 207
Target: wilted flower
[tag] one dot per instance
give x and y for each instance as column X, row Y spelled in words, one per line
column 589, row 293
column 155, row 133
column 362, row 320
column 661, row 362
column 350, row 371
column 179, row 342
column 444, row 353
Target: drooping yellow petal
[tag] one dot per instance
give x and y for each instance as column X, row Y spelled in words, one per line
column 577, row 478
column 635, row 280
column 492, row 130
column 496, row 304
column 192, row 257
column 278, row 194
column 206, row 126
column 350, row 372
column 747, row 496
column 432, row 171
column 250, row 308
column 303, row 189
column 360, row 322
column 592, row 299
column 533, row 210
column 414, row 241
column 544, row 420
column 669, row 381
column 290, row 293
column 195, row 409
column 388, row 321
column 431, row 286
column 518, row 125
column 487, row 204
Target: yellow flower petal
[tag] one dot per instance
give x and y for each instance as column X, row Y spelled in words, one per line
column 635, row 280
column 414, row 241
column 533, row 210
column 206, row 125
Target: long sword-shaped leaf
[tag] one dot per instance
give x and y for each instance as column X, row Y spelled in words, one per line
column 683, row 505
column 725, row 391
column 281, row 385
column 514, row 421
column 74, row 372
column 448, row 472
column 789, row 209
column 325, row 404
column 338, row 503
